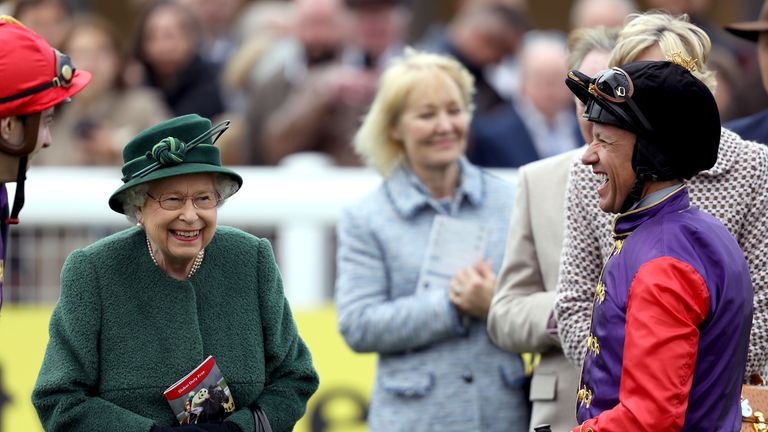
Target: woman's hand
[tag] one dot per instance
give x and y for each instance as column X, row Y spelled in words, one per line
column 472, row 289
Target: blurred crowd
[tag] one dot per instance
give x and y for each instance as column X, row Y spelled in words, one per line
column 297, row 76
column 337, row 79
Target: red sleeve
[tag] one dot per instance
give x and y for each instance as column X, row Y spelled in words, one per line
column 667, row 302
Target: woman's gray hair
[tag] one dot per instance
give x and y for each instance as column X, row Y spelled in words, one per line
column 134, row 198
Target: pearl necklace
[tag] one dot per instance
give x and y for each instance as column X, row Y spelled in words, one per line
column 195, row 264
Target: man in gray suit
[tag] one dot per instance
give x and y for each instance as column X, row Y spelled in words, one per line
column 521, row 314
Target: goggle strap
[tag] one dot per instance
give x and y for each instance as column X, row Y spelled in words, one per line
column 30, row 92
column 639, row 115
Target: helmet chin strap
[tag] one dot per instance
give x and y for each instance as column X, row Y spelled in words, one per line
column 31, row 128
column 642, row 173
column 18, row 199
column 634, row 195
column 649, row 165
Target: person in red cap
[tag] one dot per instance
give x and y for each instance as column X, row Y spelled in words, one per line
column 34, row 78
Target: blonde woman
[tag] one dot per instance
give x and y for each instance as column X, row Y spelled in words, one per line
column 437, row 368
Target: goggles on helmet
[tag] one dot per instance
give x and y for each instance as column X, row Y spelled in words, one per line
column 606, row 92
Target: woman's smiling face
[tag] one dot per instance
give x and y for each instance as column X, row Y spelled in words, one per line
column 433, row 125
column 179, row 235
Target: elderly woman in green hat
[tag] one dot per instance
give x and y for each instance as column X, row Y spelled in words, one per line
column 142, row 308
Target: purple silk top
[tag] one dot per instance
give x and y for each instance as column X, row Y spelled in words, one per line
column 673, row 228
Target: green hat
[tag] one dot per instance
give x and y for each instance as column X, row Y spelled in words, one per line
column 182, row 145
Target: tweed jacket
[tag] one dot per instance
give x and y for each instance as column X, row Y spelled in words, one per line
column 123, row 331
column 435, row 372
column 670, row 325
column 733, row 190
column 525, row 295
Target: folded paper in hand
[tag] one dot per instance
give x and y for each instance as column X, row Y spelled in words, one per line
column 453, row 245
column 201, row 396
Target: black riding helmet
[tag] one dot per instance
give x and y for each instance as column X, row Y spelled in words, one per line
column 672, row 113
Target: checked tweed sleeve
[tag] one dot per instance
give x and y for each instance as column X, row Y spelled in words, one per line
column 738, row 196
column 735, row 191
column 580, row 261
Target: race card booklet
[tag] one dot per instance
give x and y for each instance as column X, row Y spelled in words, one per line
column 201, row 396
column 453, row 245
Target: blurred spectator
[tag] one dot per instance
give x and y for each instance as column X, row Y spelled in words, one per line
column 260, row 27
column 378, row 29
column 754, row 127
column 541, row 121
column 606, row 13
column 480, row 37
column 545, row 103
column 48, row 18
column 679, row 7
column 217, row 19
column 437, row 369
column 726, row 68
column 168, row 46
column 94, row 127
column 311, row 97
column 318, row 39
column 292, row 80
column 698, row 13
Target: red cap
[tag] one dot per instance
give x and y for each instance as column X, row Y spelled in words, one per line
column 33, row 76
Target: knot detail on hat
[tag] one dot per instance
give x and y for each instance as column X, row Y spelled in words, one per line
column 679, row 59
column 169, row 151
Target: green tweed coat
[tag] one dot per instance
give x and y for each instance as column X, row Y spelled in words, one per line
column 123, row 331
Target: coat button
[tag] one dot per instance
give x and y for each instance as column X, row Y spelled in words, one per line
column 467, row 377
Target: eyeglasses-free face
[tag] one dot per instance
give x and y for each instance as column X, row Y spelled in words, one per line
column 174, row 201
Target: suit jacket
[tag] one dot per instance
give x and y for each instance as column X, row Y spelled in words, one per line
column 500, row 139
column 526, row 291
column 752, row 128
